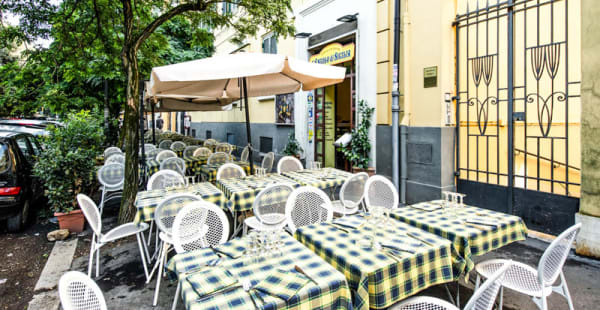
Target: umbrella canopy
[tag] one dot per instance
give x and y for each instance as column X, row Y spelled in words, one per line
column 266, row 74
column 175, row 104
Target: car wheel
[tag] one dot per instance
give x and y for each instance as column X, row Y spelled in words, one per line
column 17, row 222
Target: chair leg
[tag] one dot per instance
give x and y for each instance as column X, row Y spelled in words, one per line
column 563, row 283
column 477, row 281
column 97, row 262
column 159, row 274
column 146, row 253
column 141, row 246
column 501, row 297
column 91, row 260
column 160, row 251
column 150, row 232
column 176, row 298
column 101, row 206
column 245, row 231
column 544, row 302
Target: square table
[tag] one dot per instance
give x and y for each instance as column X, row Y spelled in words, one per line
column 241, row 192
column 192, row 165
column 331, row 291
column 377, row 278
column 322, row 179
column 209, row 172
column 469, row 240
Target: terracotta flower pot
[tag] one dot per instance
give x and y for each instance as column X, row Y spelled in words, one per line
column 73, row 221
column 370, row 171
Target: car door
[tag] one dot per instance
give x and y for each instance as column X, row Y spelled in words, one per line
column 27, row 151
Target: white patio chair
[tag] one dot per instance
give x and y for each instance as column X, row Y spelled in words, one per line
column 151, row 154
column 162, row 155
column 267, row 162
column 269, row 209
column 111, row 177
column 223, row 147
column 482, row 299
column 210, row 143
column 244, row 155
column 198, row 225
column 165, row 144
column 351, row 194
column 164, row 216
column 177, row 146
column 174, row 163
column 189, row 150
column 218, row 158
column 202, row 151
column 149, row 146
column 380, row 192
column 537, row 283
column 289, row 164
column 165, row 178
column 307, row 205
column 77, row 291
column 112, row 150
column 228, row 171
column 115, row 158
column 90, row 211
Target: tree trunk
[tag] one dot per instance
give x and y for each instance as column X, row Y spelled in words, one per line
column 131, row 137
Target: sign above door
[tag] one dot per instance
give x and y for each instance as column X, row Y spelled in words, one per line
column 334, row 53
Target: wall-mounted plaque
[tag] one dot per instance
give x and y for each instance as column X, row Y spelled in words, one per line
column 430, row 77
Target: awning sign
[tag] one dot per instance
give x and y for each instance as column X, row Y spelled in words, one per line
column 334, row 53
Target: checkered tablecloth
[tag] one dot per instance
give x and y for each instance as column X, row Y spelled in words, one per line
column 209, row 172
column 241, row 191
column 322, row 179
column 147, row 201
column 330, row 292
column 377, row 278
column 192, row 165
column 468, row 239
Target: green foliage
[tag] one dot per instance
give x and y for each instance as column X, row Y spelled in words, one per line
column 357, row 152
column 66, row 167
column 292, row 148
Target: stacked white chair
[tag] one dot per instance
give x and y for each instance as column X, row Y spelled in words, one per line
column 218, row 158
column 151, row 154
column 165, row 178
column 189, row 150
column 381, row 192
column 111, row 177
column 244, row 155
column 202, row 151
column 229, row 170
column 210, row 143
column 307, row 205
column 165, row 144
column 177, row 146
column 223, row 147
column 267, row 162
column 77, row 291
column 538, row 284
column 90, row 211
column 351, row 194
column 112, row 150
column 289, row 164
column 162, row 155
column 173, row 163
column 117, row 158
column 149, row 146
column 269, row 209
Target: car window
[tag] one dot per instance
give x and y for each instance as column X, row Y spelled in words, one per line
column 34, row 145
column 4, row 157
column 23, row 144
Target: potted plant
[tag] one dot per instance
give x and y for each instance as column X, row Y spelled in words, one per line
column 66, row 167
column 292, row 148
column 357, row 152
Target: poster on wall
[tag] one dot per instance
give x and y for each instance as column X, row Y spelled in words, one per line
column 284, row 109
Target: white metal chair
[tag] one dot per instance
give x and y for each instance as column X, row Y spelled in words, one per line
column 223, row 147
column 151, row 154
column 164, row 217
column 165, row 144
column 112, row 150
column 90, row 211
column 269, row 209
column 173, row 163
column 380, row 192
column 218, row 158
column 162, row 155
column 210, row 142
column 77, row 291
column 482, row 299
column 165, row 178
column 289, row 164
column 118, row 158
column 267, row 162
column 351, row 194
column 307, row 205
column 244, row 155
column 189, row 150
column 111, row 177
column 177, row 146
column 202, row 151
column 229, row 170
column 537, row 283
column 149, row 146
column 198, row 225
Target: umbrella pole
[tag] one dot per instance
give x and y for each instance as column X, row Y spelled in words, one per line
column 153, row 124
column 248, row 135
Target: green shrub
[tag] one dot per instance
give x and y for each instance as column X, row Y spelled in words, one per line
column 360, row 145
column 66, row 167
column 292, row 148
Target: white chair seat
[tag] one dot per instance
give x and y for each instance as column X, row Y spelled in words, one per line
column 339, row 208
column 519, row 277
column 424, row 303
column 255, row 224
column 123, row 231
column 167, row 238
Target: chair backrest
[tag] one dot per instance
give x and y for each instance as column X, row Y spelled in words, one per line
column 199, row 225
column 165, row 178
column 556, row 254
column 162, row 155
column 307, row 205
column 177, row 146
column 165, row 144
column 229, row 170
column 189, row 150
column 244, row 155
column 269, row 204
column 267, row 162
column 151, row 154
column 112, row 150
column 289, row 164
column 218, row 158
column 485, row 297
column 173, row 163
column 380, row 192
column 77, row 291
column 91, row 213
column 149, row 146
column 353, row 190
column 223, row 147
column 210, row 142
column 202, row 151
column 167, row 209
column 112, row 175
column 118, row 158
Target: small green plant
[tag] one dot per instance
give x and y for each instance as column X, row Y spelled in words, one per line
column 357, row 152
column 66, row 167
column 292, row 148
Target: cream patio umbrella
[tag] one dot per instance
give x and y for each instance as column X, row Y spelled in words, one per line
column 241, row 75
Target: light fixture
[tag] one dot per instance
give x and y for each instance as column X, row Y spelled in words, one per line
column 302, row 35
column 348, row 18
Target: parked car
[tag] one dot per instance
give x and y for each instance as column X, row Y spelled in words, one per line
column 31, row 123
column 30, row 130
column 19, row 188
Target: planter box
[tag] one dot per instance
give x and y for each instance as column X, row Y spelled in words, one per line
column 370, row 171
column 73, row 221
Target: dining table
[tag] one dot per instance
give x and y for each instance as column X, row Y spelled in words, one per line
column 192, row 165
column 208, row 172
column 324, row 178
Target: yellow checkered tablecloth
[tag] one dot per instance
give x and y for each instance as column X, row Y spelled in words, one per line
column 468, row 239
column 241, row 192
column 209, row 172
column 377, row 278
column 192, row 165
column 330, row 292
column 322, row 179
column 147, row 201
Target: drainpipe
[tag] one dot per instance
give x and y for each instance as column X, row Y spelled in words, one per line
column 395, row 95
column 407, row 103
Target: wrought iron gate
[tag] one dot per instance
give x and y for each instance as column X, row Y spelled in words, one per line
column 518, row 108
